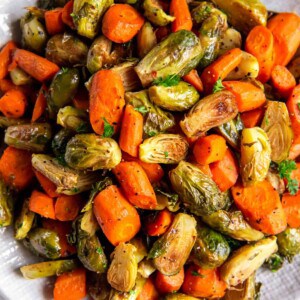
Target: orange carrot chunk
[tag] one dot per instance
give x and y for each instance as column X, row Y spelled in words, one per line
column 42, row 204
column 291, row 206
column 261, row 206
column 253, row 117
column 48, row 186
column 293, row 106
column 169, row 284
column 193, row 78
column 6, row 85
column 158, row 224
column 6, row 58
column 54, row 22
column 67, row 207
column 209, row 149
column 40, row 104
column 13, row 104
column 149, row 291
column 66, row 14
column 180, row 10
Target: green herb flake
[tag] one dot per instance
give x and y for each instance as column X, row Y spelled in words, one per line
column 298, row 104
column 166, row 153
column 141, row 109
column 108, row 129
column 170, row 80
column 218, row 86
column 99, row 250
column 64, row 70
column 132, row 292
column 267, row 121
column 285, row 169
column 75, row 190
column 195, row 273
column 152, row 133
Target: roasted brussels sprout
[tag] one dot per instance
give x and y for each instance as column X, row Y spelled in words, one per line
column 44, row 242
column 244, row 14
column 171, row 251
column 141, row 248
column 255, row 155
column 198, row 192
column 178, row 54
column 175, row 98
column 122, row 271
column 155, row 13
column 156, row 120
column 24, row 221
column 276, row 182
column 48, row 268
column 230, row 39
column 90, row 151
column 179, row 296
column 232, row 224
column 164, row 149
column 67, row 180
column 87, row 14
column 274, row 262
column 288, row 243
column 146, row 268
column 212, row 111
column 246, row 260
column 201, row 12
column 59, row 143
column 6, row 205
column 66, row 50
column 97, row 286
column 19, row 77
column 32, row 137
column 277, row 125
column 167, row 200
column 146, row 39
column 6, row 122
column 211, row 249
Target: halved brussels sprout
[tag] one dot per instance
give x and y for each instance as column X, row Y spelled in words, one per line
column 59, row 143
column 201, row 12
column 178, row 54
column 288, row 243
column 20, row 77
column 246, row 260
column 48, row 268
column 66, row 50
column 211, row 249
column 32, row 137
column 6, row 205
column 122, row 271
column 90, row 151
column 164, row 149
column 211, row 111
column 171, row 251
column 255, row 155
column 277, row 125
column 141, row 248
column 24, row 221
column 276, row 182
column 68, row 181
column 146, row 268
column 232, row 224
column 6, row 122
column 168, row 200
column 146, row 39
column 179, row 296
column 179, row 97
column 156, row 120
column 198, row 192
column 97, row 286
column 230, row 39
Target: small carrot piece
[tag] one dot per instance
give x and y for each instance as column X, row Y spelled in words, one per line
column 194, row 79
column 16, row 168
column 253, row 117
column 203, row 283
column 136, row 185
column 225, row 172
column 283, row 81
column 131, row 135
column 67, row 207
column 183, row 19
column 121, row 23
column 169, row 284
column 260, row 43
column 293, row 106
column 36, row 66
column 261, row 206
column 42, row 204
column 13, row 104
column 285, row 28
column 6, row 58
column 158, row 224
column 149, row 291
column 209, row 149
column 295, row 149
column 291, row 206
column 220, row 68
column 248, row 96
column 117, row 218
column 106, row 100
column 66, row 14
column 40, row 104
column 48, row 186
column 81, row 99
column 54, row 22
column 71, row 286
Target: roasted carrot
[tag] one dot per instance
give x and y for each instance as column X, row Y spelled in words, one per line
column 295, row 149
column 48, row 186
column 220, row 68
column 6, row 85
column 36, row 66
column 6, row 58
column 81, row 99
column 253, row 117
column 106, row 100
column 291, row 206
column 67, row 207
column 169, row 284
column 193, row 78
column 13, row 104
column 203, row 283
column 149, row 291
column 118, row 219
column 293, row 106
column 40, row 104
column 283, row 81
column 180, row 10
column 260, row 43
column 131, row 135
column 66, row 14
column 54, row 22
column 285, row 28
column 71, row 286
column 157, row 223
column 42, row 204
column 15, row 168
column 261, row 206
column 121, row 23
column 225, row 172
column 209, row 149
column 136, row 185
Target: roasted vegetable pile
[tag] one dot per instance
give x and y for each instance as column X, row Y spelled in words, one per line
column 150, row 148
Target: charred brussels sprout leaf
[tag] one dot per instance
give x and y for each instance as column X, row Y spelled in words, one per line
column 168, row 200
column 6, row 205
column 289, row 243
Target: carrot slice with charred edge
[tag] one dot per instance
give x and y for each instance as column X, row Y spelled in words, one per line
column 40, row 104
column 149, row 291
column 42, row 204
column 169, row 284
column 13, row 104
column 293, row 106
column 291, row 206
column 66, row 14
column 67, row 207
column 54, row 22
column 193, row 78
column 180, row 10
column 158, row 224
column 253, row 117
column 6, row 58
column 48, row 186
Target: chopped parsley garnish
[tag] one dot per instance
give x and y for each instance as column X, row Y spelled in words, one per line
column 141, row 109
column 152, row 133
column 170, row 80
column 166, row 153
column 195, row 273
column 218, row 86
column 285, row 169
column 99, row 250
column 108, row 129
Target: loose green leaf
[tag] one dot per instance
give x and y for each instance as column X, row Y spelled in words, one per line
column 141, row 109
column 218, row 86
column 285, row 169
column 108, row 129
column 195, row 273
column 170, row 80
